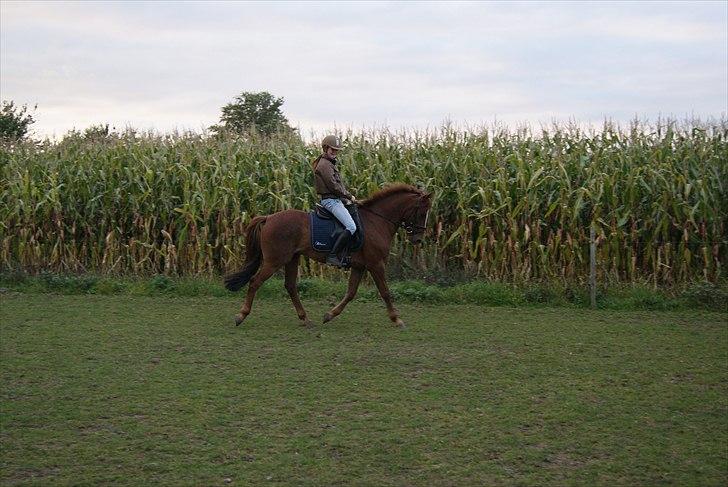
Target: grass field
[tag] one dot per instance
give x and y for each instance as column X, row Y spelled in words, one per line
column 135, row 390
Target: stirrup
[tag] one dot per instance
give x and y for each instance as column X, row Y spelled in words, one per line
column 334, row 260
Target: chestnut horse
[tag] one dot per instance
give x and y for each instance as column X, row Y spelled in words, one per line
column 280, row 239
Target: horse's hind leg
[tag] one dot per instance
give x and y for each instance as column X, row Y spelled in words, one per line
column 354, row 279
column 291, row 287
column 266, row 270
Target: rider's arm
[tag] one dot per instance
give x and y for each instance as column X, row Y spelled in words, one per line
column 332, row 180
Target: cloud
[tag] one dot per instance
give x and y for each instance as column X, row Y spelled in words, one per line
column 167, row 65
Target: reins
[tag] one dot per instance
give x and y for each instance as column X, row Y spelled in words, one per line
column 396, row 224
column 409, row 227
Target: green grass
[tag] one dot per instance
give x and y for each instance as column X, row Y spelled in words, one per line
column 637, row 296
column 163, row 390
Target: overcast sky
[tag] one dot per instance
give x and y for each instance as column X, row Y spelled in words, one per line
column 167, row 65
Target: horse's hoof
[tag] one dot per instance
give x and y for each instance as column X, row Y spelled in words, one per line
column 328, row 317
column 400, row 323
column 238, row 319
column 307, row 323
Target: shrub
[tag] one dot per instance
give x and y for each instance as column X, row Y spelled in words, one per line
column 708, row 294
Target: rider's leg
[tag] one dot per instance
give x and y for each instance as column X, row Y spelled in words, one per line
column 335, row 206
column 337, row 256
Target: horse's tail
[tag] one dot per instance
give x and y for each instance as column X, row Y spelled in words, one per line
column 253, row 256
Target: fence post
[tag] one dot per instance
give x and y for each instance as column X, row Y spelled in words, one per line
column 592, row 266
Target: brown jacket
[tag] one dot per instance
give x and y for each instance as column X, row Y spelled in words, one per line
column 328, row 180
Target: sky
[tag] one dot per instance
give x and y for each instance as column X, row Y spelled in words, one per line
column 404, row 65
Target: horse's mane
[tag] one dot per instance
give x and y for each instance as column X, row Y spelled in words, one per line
column 389, row 190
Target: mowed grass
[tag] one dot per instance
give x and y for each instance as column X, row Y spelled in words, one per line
column 130, row 390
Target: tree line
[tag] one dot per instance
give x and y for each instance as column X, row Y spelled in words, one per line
column 258, row 112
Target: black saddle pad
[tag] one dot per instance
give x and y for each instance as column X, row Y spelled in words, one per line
column 324, row 232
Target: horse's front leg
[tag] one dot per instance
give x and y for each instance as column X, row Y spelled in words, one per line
column 354, row 279
column 378, row 275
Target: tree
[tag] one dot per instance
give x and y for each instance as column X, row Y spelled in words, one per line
column 97, row 132
column 14, row 121
column 253, row 111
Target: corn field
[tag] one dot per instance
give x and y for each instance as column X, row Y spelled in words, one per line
column 510, row 204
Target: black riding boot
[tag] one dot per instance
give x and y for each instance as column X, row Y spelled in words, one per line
column 338, row 255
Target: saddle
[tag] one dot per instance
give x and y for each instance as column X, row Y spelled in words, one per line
column 325, row 229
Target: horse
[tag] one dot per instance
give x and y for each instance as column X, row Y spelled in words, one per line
column 278, row 240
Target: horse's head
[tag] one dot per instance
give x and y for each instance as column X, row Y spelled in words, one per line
column 415, row 220
column 402, row 204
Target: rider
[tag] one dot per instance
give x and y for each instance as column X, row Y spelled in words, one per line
column 332, row 191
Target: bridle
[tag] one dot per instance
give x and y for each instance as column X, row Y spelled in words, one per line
column 409, row 226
